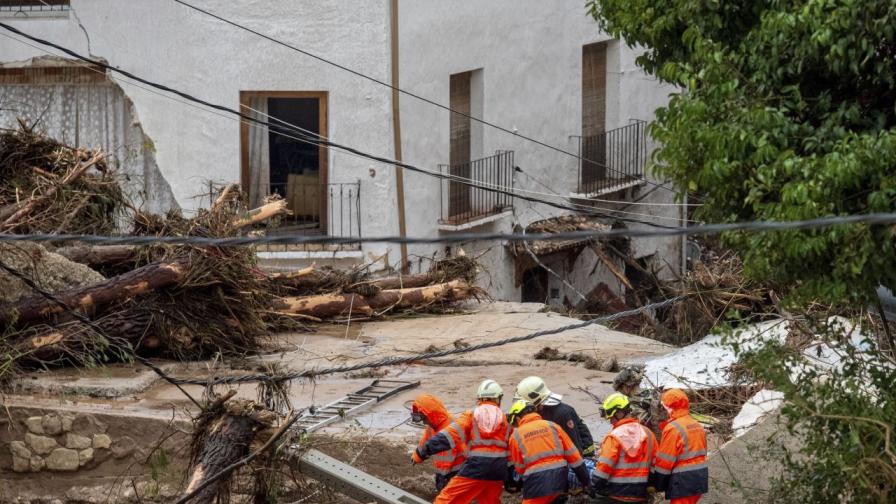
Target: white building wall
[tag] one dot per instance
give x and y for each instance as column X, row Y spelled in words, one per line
column 530, row 53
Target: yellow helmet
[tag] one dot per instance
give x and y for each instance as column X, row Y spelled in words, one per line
column 615, row 402
column 532, row 390
column 515, row 409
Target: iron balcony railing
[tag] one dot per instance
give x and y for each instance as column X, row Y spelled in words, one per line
column 33, row 6
column 612, row 160
column 327, row 209
column 462, row 203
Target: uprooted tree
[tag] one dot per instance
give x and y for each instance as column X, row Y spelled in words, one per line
column 787, row 113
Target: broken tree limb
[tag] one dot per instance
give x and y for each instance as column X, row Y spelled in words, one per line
column 598, row 251
column 400, row 282
column 27, row 206
column 262, row 213
column 86, row 299
column 98, row 255
column 224, row 437
column 326, row 306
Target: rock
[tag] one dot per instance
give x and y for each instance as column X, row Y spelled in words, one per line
column 36, row 463
column 123, row 447
column 85, row 456
column 19, row 449
column 52, row 424
column 101, row 442
column 50, row 271
column 67, row 423
column 77, row 441
column 34, row 424
column 63, row 459
column 609, row 365
column 40, row 445
column 20, row 464
column 88, row 425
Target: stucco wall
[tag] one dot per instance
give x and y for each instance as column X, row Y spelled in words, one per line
column 530, row 53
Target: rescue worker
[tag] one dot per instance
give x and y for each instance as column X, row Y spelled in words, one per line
column 554, row 410
column 484, row 433
column 645, row 404
column 626, row 456
column 542, row 454
column 681, row 469
column 430, row 411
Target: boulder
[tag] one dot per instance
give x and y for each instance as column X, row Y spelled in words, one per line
column 101, row 442
column 37, row 463
column 50, row 271
column 40, row 445
column 20, row 464
column 33, row 424
column 77, row 441
column 52, row 424
column 85, row 456
column 63, row 459
column 19, row 449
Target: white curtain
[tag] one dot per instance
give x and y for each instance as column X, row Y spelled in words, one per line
column 259, row 154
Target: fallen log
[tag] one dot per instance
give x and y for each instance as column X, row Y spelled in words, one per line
column 99, row 255
column 326, row 306
column 86, row 299
column 402, row 282
column 224, row 435
column 75, row 343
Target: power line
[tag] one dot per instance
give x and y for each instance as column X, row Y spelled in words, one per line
column 396, row 360
column 315, row 138
column 238, row 241
column 402, row 91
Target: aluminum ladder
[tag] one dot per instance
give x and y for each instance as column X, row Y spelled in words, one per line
column 349, row 405
column 338, row 475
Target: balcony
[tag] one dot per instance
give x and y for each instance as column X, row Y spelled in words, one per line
column 463, row 206
column 612, row 161
column 34, row 8
column 320, row 209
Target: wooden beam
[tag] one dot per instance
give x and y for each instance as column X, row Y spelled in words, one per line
column 396, row 134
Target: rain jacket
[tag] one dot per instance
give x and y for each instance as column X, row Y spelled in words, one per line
column 486, row 451
column 626, row 459
column 542, row 453
column 566, row 416
column 446, row 462
column 681, row 469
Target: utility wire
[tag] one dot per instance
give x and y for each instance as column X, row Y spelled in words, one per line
column 402, row 91
column 396, row 360
column 705, row 229
column 313, row 138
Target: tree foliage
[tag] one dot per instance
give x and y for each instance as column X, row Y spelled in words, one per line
column 787, row 112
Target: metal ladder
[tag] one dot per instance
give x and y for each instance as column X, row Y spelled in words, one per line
column 351, row 404
column 340, row 476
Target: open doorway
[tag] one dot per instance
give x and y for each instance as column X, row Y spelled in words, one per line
column 275, row 162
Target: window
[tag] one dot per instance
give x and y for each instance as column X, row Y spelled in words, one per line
column 34, row 8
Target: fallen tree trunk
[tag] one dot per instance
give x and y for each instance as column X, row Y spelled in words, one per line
column 402, row 282
column 87, row 299
column 74, row 342
column 224, row 436
column 99, row 255
column 332, row 305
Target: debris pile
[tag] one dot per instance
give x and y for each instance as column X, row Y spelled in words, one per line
column 185, row 301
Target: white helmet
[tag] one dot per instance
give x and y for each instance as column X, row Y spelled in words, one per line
column 533, row 390
column 490, row 389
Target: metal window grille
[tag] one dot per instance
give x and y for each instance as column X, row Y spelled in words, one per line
column 330, row 209
column 612, row 160
column 462, row 203
column 34, row 6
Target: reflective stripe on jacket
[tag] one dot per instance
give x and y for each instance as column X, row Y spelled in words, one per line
column 542, row 453
column 681, row 469
column 486, row 455
column 449, row 457
column 625, row 462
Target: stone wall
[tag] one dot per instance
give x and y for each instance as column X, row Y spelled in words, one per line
column 64, row 442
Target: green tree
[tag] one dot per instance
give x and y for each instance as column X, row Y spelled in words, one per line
column 787, row 112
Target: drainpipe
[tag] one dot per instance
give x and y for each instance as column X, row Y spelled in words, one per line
column 684, row 237
column 396, row 133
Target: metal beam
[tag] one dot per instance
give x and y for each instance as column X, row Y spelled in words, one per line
column 351, row 482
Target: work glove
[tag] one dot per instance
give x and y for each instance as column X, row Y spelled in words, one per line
column 589, row 452
column 416, row 458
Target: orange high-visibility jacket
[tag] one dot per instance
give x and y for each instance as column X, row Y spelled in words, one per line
column 681, row 469
column 448, row 461
column 542, row 453
column 486, row 453
column 625, row 462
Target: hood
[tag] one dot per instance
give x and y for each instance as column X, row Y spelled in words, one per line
column 433, row 409
column 675, row 400
column 630, row 435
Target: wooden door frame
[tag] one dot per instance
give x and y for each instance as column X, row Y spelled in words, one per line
column 324, row 161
